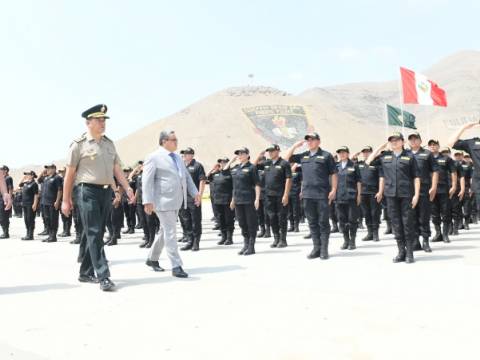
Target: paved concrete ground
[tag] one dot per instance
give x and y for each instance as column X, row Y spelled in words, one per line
column 273, row 305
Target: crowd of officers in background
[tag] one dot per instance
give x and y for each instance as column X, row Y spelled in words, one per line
column 270, row 196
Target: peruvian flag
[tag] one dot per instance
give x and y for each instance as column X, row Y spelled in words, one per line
column 417, row 89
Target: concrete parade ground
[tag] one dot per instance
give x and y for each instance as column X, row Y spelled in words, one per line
column 272, row 305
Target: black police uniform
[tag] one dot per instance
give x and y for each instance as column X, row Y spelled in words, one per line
column 5, row 215
column 457, row 203
column 29, row 191
column 276, row 174
column 51, row 186
column 371, row 208
column 129, row 210
column 263, row 218
column 467, row 199
column 317, row 169
column 346, row 202
column 222, row 182
column 192, row 215
column 245, row 179
column 426, row 166
column 294, row 203
column 17, row 204
column 399, row 172
column 114, row 220
column 441, row 204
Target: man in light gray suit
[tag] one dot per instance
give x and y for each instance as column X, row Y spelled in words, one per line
column 165, row 184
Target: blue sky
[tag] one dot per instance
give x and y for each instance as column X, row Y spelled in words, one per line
column 148, row 59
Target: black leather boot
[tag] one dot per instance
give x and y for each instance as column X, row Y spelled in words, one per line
column 353, row 235
column 296, row 227
column 283, row 240
column 291, row 226
column 401, row 252
column 196, row 243
column 334, row 228
column 261, row 233
column 108, row 239
column 388, row 230
column 456, row 225
column 324, row 249
column 438, row 234
column 189, row 245
column 113, row 241
column 251, row 247
column 52, row 237
column 315, row 253
column 229, row 238
column 426, row 245
column 224, row 238
column 5, row 234
column 245, row 246
column 268, row 233
column 416, row 243
column 346, row 240
column 446, row 232
column 308, row 236
column 409, row 255
column 466, row 226
column 276, row 240
column 44, row 232
column 369, row 236
column 375, row 235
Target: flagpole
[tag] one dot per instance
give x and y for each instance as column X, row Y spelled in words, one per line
column 386, row 122
column 400, row 92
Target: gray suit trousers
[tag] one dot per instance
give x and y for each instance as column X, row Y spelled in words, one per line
column 166, row 237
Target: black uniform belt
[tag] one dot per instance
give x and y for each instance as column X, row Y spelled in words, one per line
column 96, row 186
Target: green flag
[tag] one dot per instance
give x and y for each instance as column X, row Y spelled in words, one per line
column 395, row 117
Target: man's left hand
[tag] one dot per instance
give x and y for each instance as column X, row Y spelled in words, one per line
column 131, row 196
column 7, row 200
column 198, row 200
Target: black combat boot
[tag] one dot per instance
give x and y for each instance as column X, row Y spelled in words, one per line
column 388, row 230
column 196, row 243
column 44, row 232
column 268, row 233
column 426, row 245
column 189, row 245
column 315, row 253
column 291, row 226
column 334, row 228
column 438, row 234
column 401, row 252
column 324, row 248
column 251, row 247
column 445, row 232
column 245, row 245
column 229, row 238
column 409, row 255
column 283, row 240
column 353, row 235
column 296, row 227
column 5, row 234
column 113, row 241
column 375, row 235
column 346, row 240
column 108, row 239
column 224, row 238
column 369, row 236
column 29, row 235
column 456, row 225
column 77, row 238
column 261, row 233
column 276, row 240
column 466, row 225
column 151, row 239
column 145, row 242
column 52, row 237
column 416, row 243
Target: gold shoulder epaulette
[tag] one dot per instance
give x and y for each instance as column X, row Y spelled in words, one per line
column 81, row 138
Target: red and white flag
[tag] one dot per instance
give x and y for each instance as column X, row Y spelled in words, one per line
column 417, row 89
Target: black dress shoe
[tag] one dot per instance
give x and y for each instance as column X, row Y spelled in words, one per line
column 178, row 272
column 88, row 279
column 154, row 265
column 107, row 285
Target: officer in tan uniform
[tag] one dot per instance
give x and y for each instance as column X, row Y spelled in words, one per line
column 92, row 165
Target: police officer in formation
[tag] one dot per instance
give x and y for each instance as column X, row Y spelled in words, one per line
column 246, row 197
column 220, row 179
column 294, row 201
column 6, row 214
column 51, row 198
column 128, row 208
column 278, row 181
column 191, row 216
column 30, row 201
column 262, row 214
column 319, row 188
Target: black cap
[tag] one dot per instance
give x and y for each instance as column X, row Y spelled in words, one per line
column 31, row 172
column 313, row 135
column 50, row 166
column 433, row 141
column 242, row 150
column 5, row 167
column 343, row 148
column 97, row 111
column 367, row 148
column 395, row 135
column 414, row 134
column 224, row 159
column 188, row 150
column 273, row 147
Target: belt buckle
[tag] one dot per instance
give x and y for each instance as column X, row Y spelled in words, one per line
column 106, row 186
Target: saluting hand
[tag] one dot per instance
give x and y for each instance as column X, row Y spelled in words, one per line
column 299, row 144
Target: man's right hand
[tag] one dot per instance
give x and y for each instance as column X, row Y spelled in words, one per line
column 148, row 208
column 7, row 200
column 66, row 207
column 298, row 144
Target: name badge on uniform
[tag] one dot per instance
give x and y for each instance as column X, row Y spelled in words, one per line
column 306, row 157
column 351, row 169
column 216, row 175
column 405, row 157
column 320, row 157
column 423, row 154
column 361, row 166
column 245, row 170
column 267, row 166
column 477, row 142
column 278, row 167
column 388, row 157
column 191, row 168
column 91, row 153
column 441, row 161
column 372, row 167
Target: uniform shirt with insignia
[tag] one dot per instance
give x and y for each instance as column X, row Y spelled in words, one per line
column 276, row 173
column 369, row 176
column 427, row 166
column 467, row 172
column 446, row 166
column 51, row 186
column 296, row 182
column 245, row 178
column 348, row 177
column 317, row 169
column 221, row 181
column 197, row 172
column 472, row 147
column 94, row 161
column 399, row 172
column 29, row 190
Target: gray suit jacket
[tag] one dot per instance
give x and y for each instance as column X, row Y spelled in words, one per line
column 162, row 184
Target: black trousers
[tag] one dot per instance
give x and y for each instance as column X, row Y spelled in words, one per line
column 317, row 212
column 225, row 216
column 114, row 221
column 467, row 205
column 67, row 223
column 263, row 218
column 422, row 213
column 29, row 218
column 152, row 224
column 247, row 219
column 77, row 221
column 277, row 213
column 129, row 211
column 94, row 205
column 457, row 208
column 51, row 217
column 441, row 209
column 294, row 208
column 371, row 211
column 333, row 213
column 348, row 214
column 140, row 217
column 4, row 215
column 191, row 219
column 402, row 216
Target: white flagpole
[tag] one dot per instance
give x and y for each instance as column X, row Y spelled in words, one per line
column 386, row 122
column 400, row 91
